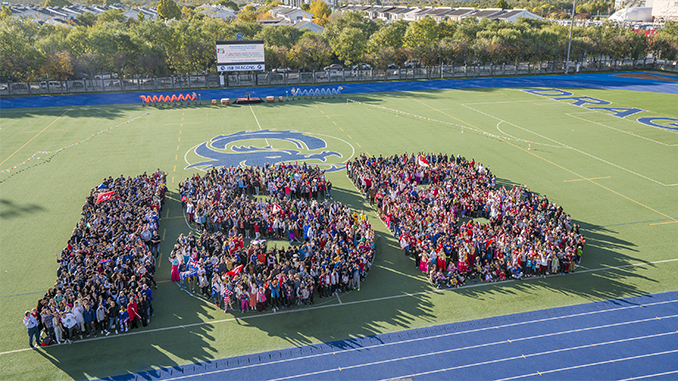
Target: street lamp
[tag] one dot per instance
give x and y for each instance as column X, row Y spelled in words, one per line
column 569, row 41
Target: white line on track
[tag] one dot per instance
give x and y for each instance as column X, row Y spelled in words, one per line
column 570, row 147
column 600, row 363
column 434, row 291
column 557, row 351
column 650, row 375
column 424, row 354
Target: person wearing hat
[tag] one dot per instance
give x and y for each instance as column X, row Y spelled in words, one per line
column 32, row 326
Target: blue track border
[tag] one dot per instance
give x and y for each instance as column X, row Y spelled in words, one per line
column 612, row 81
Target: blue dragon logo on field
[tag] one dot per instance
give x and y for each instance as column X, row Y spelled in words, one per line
column 221, row 150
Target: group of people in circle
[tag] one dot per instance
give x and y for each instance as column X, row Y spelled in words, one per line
column 269, row 237
column 432, row 203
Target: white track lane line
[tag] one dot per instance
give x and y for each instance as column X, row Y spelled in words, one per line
column 557, row 351
column 599, row 363
column 650, row 376
column 438, row 352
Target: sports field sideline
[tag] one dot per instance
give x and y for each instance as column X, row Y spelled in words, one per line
column 615, row 175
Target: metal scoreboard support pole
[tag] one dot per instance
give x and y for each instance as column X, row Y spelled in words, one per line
column 569, row 41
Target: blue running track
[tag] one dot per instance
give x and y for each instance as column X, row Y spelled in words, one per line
column 594, row 81
column 632, row 338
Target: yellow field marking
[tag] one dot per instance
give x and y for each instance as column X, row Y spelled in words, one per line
column 176, row 157
column 183, row 113
column 524, row 356
column 319, row 109
column 174, row 124
column 179, row 132
column 175, row 168
column 358, row 144
column 28, row 132
column 177, row 147
column 38, row 134
column 167, row 215
column 164, row 230
column 349, row 136
column 335, row 123
column 592, row 178
column 341, row 128
column 554, row 164
column 172, row 179
column 179, row 139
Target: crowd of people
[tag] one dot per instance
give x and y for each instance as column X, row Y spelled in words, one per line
column 106, row 271
column 429, row 202
column 330, row 249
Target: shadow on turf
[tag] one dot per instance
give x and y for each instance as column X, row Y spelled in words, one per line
column 102, row 112
column 12, row 210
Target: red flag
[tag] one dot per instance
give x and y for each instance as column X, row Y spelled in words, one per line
column 235, row 271
column 105, row 196
column 421, row 160
column 276, row 208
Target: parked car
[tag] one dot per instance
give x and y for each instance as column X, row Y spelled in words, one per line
column 19, row 86
column 410, row 64
column 333, row 67
column 77, row 85
column 361, row 66
column 392, row 66
column 281, row 70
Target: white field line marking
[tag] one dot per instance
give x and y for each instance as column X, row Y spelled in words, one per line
column 620, row 130
column 419, row 355
column 473, row 364
column 212, row 322
column 650, row 375
column 339, row 299
column 572, row 148
column 491, row 103
column 255, row 118
column 601, row 363
column 536, row 143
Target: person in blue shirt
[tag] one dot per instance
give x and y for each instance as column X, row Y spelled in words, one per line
column 31, row 324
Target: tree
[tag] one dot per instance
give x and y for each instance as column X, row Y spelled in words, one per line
column 58, row 65
column 5, row 12
column 285, row 35
column 311, row 52
column 350, row 45
column 19, row 60
column 229, row 4
column 112, row 15
column 248, row 14
column 422, row 32
column 86, row 19
column 390, row 35
column 140, row 16
column 503, row 4
column 168, row 10
column 56, row 3
column 321, row 11
column 306, row 7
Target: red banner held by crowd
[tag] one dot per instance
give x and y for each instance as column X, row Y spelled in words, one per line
column 105, row 196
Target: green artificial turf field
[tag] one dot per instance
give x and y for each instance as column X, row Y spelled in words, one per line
column 616, row 177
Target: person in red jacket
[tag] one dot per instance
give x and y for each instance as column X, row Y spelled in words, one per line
column 133, row 311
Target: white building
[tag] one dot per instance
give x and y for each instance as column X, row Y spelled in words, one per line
column 665, row 10
column 217, row 12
